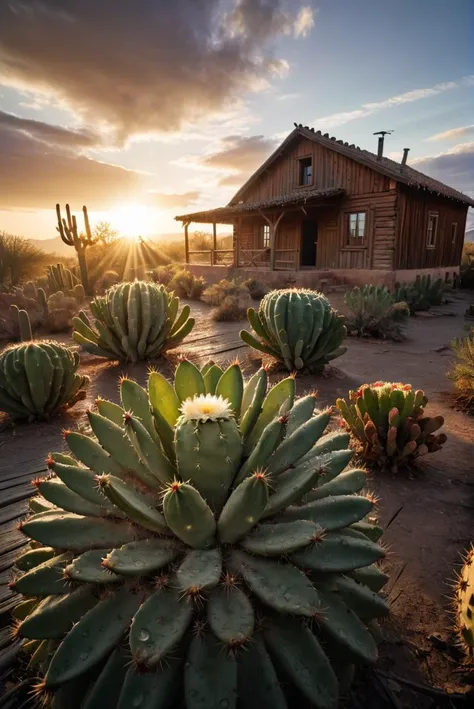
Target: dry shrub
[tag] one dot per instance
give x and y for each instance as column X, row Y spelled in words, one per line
column 20, row 260
column 186, row 285
column 230, row 310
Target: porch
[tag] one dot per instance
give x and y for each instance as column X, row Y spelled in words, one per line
column 282, row 234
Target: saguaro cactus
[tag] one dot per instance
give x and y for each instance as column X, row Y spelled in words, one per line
column 69, row 234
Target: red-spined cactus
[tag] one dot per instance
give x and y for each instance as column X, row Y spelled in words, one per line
column 388, row 419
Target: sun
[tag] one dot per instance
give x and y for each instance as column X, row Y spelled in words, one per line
column 134, row 220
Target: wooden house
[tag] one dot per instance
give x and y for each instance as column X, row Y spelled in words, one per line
column 320, row 208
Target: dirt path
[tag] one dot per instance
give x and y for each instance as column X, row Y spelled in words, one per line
column 436, row 507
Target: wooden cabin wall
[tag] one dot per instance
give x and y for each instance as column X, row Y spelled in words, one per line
column 330, row 169
column 413, row 210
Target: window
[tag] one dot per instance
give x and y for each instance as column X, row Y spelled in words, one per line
column 432, row 230
column 266, row 236
column 306, row 172
column 454, row 232
column 356, row 229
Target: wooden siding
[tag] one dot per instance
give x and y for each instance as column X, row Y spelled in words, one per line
column 412, row 251
column 330, row 169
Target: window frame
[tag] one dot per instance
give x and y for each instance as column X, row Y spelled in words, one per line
column 430, row 239
column 356, row 242
column 301, row 169
column 265, row 236
column 454, row 233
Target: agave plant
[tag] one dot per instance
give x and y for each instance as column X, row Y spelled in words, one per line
column 388, row 419
column 37, row 379
column 299, row 328
column 464, row 604
column 134, row 321
column 206, row 543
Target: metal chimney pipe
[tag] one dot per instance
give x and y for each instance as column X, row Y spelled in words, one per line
column 404, row 158
column 380, row 148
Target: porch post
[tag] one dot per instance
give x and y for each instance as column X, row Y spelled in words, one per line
column 272, row 245
column 237, row 227
column 186, row 243
column 214, row 244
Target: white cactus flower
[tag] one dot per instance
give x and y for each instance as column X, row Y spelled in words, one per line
column 206, row 407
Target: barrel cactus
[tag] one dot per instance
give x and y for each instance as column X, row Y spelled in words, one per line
column 37, row 379
column 133, row 321
column 299, row 328
column 205, row 547
column 464, row 604
column 388, row 419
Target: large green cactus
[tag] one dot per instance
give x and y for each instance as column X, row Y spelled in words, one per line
column 464, row 604
column 388, row 419
column 134, row 321
column 297, row 327
column 202, row 549
column 37, row 379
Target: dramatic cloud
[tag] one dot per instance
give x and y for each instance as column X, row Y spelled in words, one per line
column 338, row 119
column 34, row 174
column 47, row 133
column 239, row 156
column 454, row 167
column 454, row 134
column 170, row 201
column 144, row 65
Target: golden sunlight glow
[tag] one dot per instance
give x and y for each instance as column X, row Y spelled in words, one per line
column 134, row 220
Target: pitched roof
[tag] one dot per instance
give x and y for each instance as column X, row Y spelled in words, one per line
column 220, row 214
column 407, row 175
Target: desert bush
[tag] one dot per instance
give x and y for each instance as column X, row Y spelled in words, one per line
column 216, row 293
column 134, row 321
column 421, row 294
column 163, row 274
column 20, row 260
column 466, row 273
column 186, row 285
column 257, row 289
column 373, row 313
column 38, row 379
column 211, row 567
column 388, row 420
column 462, row 371
column 229, row 310
column 299, row 328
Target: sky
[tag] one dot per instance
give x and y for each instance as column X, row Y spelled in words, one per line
column 147, row 109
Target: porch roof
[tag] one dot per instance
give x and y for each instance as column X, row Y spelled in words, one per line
column 225, row 215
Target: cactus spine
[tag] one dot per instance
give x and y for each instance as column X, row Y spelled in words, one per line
column 205, row 566
column 464, row 604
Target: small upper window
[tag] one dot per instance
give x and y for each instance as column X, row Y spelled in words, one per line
column 266, row 236
column 356, row 231
column 432, row 230
column 454, row 232
column 306, row 172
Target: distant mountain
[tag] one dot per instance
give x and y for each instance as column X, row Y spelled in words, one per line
column 469, row 235
column 57, row 245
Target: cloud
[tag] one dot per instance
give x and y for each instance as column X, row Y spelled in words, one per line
column 454, row 167
column 170, row 201
column 50, row 134
column 145, row 65
column 34, row 174
column 240, row 153
column 453, row 134
column 304, row 22
column 235, row 180
column 337, row 119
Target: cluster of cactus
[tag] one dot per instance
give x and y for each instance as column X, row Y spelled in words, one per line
column 462, row 370
column 299, row 328
column 60, row 278
column 186, row 285
column 464, row 604
column 373, row 313
column 133, row 321
column 30, row 299
column 205, row 547
column 421, row 294
column 38, row 379
column 388, row 419
column 61, row 308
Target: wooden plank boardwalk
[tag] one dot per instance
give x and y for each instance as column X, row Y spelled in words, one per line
column 222, row 343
